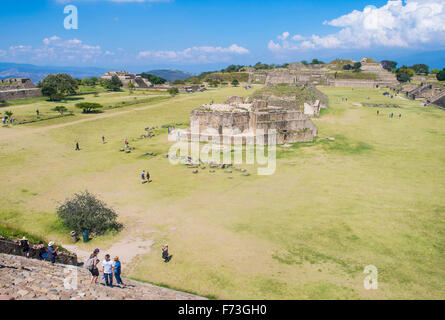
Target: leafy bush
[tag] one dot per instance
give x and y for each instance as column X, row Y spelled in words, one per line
column 173, row 91
column 441, row 75
column 85, row 212
column 60, row 109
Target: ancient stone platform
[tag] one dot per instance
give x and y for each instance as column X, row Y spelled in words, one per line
column 29, row 279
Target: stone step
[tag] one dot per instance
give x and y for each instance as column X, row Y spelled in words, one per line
column 28, row 279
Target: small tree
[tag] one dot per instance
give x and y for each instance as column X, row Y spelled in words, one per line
column 114, row 84
column 9, row 114
column 235, row 83
column 441, row 75
column 131, row 86
column 89, row 107
column 173, row 91
column 60, row 109
column 85, row 212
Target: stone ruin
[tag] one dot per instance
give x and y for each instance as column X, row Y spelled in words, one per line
column 18, row 88
column 324, row 74
column 127, row 77
column 240, row 121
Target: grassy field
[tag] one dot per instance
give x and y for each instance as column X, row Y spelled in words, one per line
column 374, row 196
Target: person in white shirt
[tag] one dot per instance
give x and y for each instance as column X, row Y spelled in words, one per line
column 108, row 269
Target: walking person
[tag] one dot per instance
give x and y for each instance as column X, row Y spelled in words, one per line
column 378, row 112
column 107, row 267
column 117, row 271
column 400, row 116
column 143, row 176
column 77, row 146
column 24, row 244
column 103, row 139
column 37, row 113
column 91, row 265
column 165, row 254
column 42, row 251
column 52, row 253
column 148, row 176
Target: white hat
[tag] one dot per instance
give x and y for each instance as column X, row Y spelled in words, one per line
column 24, row 238
column 50, row 243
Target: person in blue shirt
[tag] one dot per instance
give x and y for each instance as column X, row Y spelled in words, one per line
column 117, row 270
column 52, row 253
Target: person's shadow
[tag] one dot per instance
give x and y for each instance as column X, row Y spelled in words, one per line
column 169, row 258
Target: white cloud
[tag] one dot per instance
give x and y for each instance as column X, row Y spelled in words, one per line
column 202, row 54
column 56, row 49
column 409, row 24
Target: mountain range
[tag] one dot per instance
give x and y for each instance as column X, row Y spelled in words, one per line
column 38, row 73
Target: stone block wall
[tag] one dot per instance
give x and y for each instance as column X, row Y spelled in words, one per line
column 20, row 94
column 12, row 248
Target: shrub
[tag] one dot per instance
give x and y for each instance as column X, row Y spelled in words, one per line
column 173, row 91
column 60, row 109
column 441, row 75
column 85, row 212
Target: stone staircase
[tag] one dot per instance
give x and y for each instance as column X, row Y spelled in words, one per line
column 29, row 279
column 439, row 99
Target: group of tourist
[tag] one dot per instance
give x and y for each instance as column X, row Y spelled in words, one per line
column 7, row 120
column 145, row 175
column 44, row 253
column 109, row 269
column 391, row 115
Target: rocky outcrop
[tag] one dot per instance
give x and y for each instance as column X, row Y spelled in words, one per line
column 28, row 279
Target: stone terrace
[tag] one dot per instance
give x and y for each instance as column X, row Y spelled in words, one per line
column 29, row 279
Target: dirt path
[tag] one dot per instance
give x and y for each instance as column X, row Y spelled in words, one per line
column 127, row 249
column 20, row 131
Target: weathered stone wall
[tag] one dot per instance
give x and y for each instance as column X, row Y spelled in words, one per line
column 20, row 94
column 221, row 122
column 357, row 83
column 12, row 248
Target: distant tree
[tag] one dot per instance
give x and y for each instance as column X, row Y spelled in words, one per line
column 88, row 82
column 235, row 83
column 260, row 66
column 89, row 107
column 178, row 82
column 115, row 84
column 85, row 212
column 441, row 75
column 56, row 87
column 9, row 114
column 404, row 74
column 232, row 68
column 347, row 67
column 94, row 80
column 357, row 67
column 304, row 62
column 316, row 61
column 60, row 109
column 420, row 68
column 214, row 83
column 152, row 78
column 434, row 71
column 131, row 86
column 389, row 65
column 173, row 91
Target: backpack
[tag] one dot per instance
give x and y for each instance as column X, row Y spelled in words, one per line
column 90, row 263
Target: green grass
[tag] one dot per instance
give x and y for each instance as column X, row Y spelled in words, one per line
column 374, row 196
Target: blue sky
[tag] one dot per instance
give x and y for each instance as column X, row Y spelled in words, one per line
column 201, row 35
